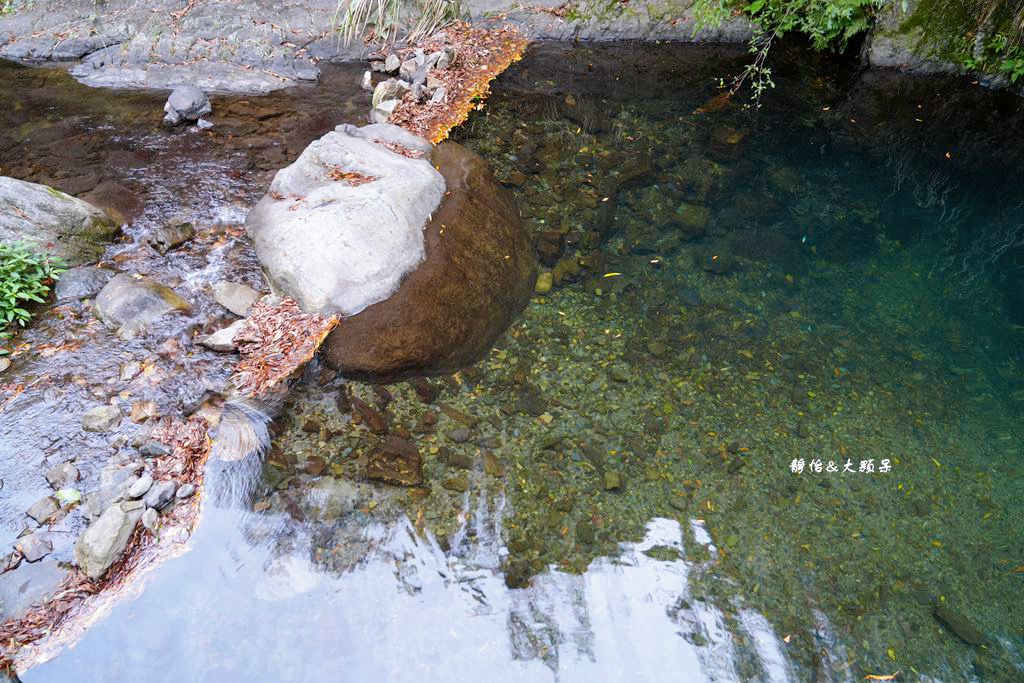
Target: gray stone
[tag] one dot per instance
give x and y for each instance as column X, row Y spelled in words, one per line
column 52, row 221
column 390, row 89
column 130, row 370
column 408, row 69
column 392, row 63
column 185, row 491
column 128, row 304
column 380, row 114
column 890, row 46
column 329, row 499
column 81, row 283
column 150, row 519
column 105, row 540
column 186, row 103
column 445, row 58
column 140, row 487
column 4, row 364
column 34, row 547
column 62, row 476
column 101, row 418
column 367, row 83
column 460, row 435
column 160, row 494
column 203, row 124
column 171, row 236
column 152, row 448
column 223, row 340
column 42, row 509
column 356, row 252
column 114, row 482
column 440, row 96
column 235, row 297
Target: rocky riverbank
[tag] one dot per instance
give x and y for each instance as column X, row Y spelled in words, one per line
column 255, row 46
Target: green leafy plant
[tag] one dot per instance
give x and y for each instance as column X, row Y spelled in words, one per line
column 828, row 24
column 26, row 276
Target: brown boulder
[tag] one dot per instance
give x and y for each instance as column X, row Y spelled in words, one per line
column 477, row 277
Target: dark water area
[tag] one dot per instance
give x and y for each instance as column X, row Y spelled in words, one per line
column 763, row 423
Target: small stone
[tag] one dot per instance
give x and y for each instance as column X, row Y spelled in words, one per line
column 223, row 340
column 445, row 59
column 34, row 547
column 425, row 391
column 140, row 487
column 101, row 418
column 408, row 69
column 585, row 533
column 440, row 96
column 160, row 494
column 42, row 509
column 367, row 82
column 460, row 460
column 203, row 124
column 62, row 476
column 235, row 297
column 458, row 484
column 171, row 237
column 612, row 482
column 959, row 625
column 4, row 364
column 678, row 503
column 544, row 282
column 392, row 63
column 130, row 370
column 460, row 435
column 153, row 448
column 802, row 429
column 185, row 491
column 492, row 465
column 315, row 465
column 142, row 411
column 105, row 540
column 150, row 518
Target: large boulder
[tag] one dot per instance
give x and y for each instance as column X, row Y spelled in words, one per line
column 477, row 277
column 342, row 226
column 55, row 222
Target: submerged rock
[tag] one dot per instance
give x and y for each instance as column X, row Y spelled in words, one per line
column 101, row 418
column 52, row 221
column 223, row 340
column 34, row 547
column 329, row 499
column 81, row 283
column 186, row 103
column 105, row 540
column 128, row 304
column 478, row 275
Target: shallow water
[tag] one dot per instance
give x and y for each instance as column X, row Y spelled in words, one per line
column 739, row 294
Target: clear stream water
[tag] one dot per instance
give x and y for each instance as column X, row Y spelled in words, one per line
column 739, row 296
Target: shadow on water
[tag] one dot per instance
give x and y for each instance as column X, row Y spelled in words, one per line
column 628, row 485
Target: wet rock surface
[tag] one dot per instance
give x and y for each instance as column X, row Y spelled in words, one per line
column 128, row 305
column 53, row 221
column 477, row 277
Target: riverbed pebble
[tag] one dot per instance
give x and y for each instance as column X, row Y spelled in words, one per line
column 101, row 418
column 140, row 487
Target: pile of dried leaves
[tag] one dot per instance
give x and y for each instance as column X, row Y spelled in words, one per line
column 276, row 341
column 190, row 444
column 481, row 55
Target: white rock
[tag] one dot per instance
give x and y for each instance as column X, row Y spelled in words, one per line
column 223, row 340
column 343, row 247
column 235, row 297
column 141, row 485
